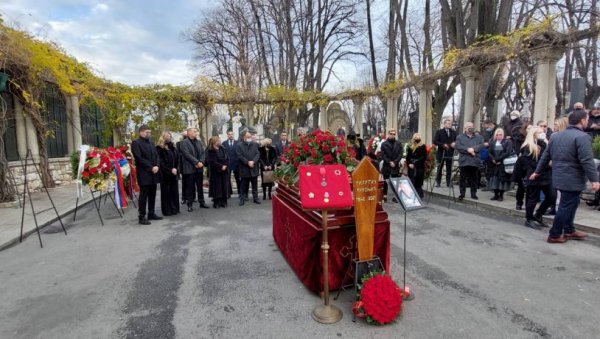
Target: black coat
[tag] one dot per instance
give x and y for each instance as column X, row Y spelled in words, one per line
column 248, row 152
column 526, row 165
column 417, row 157
column 232, row 154
column 279, row 147
column 219, row 185
column 592, row 120
column 391, row 150
column 267, row 158
column 146, row 157
column 169, row 159
column 190, row 158
column 360, row 149
column 510, row 125
column 441, row 138
column 498, row 170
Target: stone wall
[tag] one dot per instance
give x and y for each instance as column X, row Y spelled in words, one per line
column 60, row 168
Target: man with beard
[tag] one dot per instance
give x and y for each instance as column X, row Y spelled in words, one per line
column 147, row 163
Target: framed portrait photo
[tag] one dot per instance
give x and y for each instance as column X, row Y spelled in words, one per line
column 405, row 193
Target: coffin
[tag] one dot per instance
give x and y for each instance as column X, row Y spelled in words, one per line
column 298, row 234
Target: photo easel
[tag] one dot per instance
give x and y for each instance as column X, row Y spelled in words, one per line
column 24, row 164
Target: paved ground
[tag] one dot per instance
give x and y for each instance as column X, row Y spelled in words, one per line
column 219, row 275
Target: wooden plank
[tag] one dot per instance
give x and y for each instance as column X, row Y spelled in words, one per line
column 365, row 182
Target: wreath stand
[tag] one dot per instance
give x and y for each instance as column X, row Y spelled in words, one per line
column 97, row 199
column 24, row 164
column 430, row 184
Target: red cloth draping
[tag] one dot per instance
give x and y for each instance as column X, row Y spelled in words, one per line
column 299, row 240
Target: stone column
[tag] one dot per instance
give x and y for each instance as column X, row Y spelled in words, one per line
column 32, row 142
column 75, row 122
column 248, row 112
column 358, row 115
column 425, row 112
column 21, row 128
column 324, row 119
column 545, row 84
column 391, row 121
column 116, row 136
column 470, row 75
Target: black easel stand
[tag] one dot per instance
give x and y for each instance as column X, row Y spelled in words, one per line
column 26, row 189
column 451, row 193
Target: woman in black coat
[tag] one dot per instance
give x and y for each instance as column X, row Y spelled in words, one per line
column 169, row 163
column 219, row 184
column 416, row 155
column 531, row 152
column 500, row 149
column 268, row 159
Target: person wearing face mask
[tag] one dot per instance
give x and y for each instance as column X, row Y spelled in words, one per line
column 469, row 145
column 391, row 152
column 147, row 163
column 514, row 123
column 416, row 155
column 444, row 140
column 531, row 151
column 193, row 168
column 500, row 148
column 169, row 164
column 248, row 156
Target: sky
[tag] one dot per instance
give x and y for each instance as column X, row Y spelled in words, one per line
column 131, row 41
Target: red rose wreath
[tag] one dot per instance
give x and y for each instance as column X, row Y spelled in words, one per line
column 380, row 299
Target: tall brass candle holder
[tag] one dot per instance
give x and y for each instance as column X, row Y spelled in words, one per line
column 326, row 313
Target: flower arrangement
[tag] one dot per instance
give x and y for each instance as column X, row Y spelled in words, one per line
column 314, row 149
column 379, row 299
column 99, row 167
column 374, row 143
column 430, row 162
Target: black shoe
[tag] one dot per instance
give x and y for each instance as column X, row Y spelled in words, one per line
column 533, row 224
column 500, row 198
column 519, row 207
column 593, row 203
column 154, row 217
column 183, row 202
column 395, row 200
column 437, row 184
column 461, row 197
column 190, row 209
column 474, row 197
column 256, row 201
column 540, row 220
column 223, row 204
column 203, row 205
column 242, row 202
column 215, row 205
column 551, row 212
column 143, row 221
column 448, row 184
column 495, row 197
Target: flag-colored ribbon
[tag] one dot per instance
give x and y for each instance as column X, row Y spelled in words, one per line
column 120, row 198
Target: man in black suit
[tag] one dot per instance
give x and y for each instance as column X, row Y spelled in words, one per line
column 281, row 144
column 230, row 146
column 248, row 155
column 183, row 182
column 444, row 140
column 391, row 153
column 147, row 163
column 193, row 168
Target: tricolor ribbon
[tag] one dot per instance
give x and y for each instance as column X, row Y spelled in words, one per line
column 120, row 198
column 82, row 157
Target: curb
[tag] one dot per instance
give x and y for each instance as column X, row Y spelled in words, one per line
column 513, row 213
column 12, row 242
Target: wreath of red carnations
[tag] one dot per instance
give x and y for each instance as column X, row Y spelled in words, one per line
column 380, row 299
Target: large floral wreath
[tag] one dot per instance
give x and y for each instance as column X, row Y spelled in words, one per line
column 379, row 299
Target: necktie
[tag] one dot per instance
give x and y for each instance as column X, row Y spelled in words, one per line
column 230, row 143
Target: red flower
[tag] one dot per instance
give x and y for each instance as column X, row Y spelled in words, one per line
column 325, row 148
column 314, row 153
column 328, row 157
column 382, row 298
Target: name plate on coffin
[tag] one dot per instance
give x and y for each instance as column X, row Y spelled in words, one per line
column 324, row 187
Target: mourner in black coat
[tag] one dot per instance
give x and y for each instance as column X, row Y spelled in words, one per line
column 268, row 160
column 193, row 168
column 391, row 152
column 500, row 148
column 281, row 144
column 147, row 164
column 169, row 164
column 230, row 146
column 248, row 155
column 444, row 139
column 183, row 183
column 416, row 155
column 219, row 182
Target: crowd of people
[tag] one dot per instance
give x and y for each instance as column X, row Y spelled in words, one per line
column 548, row 167
column 189, row 160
